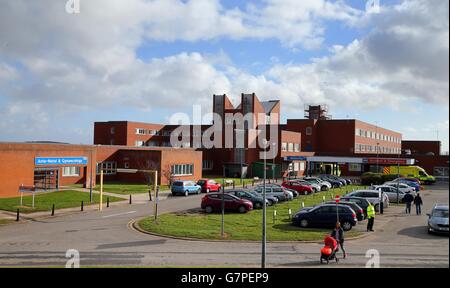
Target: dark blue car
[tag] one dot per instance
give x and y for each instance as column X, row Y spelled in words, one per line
column 325, row 216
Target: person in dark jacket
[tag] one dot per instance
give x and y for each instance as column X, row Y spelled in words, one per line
column 418, row 202
column 408, row 200
column 338, row 234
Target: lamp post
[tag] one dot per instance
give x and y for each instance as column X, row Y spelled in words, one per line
column 263, row 252
column 241, row 155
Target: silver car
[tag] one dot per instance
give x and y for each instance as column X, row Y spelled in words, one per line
column 372, row 196
column 275, row 191
column 391, row 192
column 438, row 219
column 402, row 187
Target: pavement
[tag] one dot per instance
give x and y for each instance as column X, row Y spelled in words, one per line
column 107, row 238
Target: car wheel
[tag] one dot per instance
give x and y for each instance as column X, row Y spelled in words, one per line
column 270, row 202
column 199, row 191
column 304, row 223
column 186, row 193
column 347, row 226
column 242, row 209
column 209, row 209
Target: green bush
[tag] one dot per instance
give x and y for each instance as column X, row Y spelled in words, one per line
column 370, row 178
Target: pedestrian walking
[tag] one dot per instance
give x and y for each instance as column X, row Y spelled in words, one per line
column 418, row 202
column 370, row 217
column 409, row 199
column 338, row 234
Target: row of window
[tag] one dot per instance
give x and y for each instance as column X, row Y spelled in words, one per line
column 377, row 136
column 381, row 149
column 153, row 132
column 182, row 169
column 152, row 144
column 290, row 147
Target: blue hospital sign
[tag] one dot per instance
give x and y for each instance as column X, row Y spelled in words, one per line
column 60, row 160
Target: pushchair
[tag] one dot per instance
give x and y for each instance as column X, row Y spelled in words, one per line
column 329, row 251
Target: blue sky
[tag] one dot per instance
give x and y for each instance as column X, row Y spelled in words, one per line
column 144, row 61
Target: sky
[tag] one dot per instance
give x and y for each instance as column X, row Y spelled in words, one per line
column 145, row 60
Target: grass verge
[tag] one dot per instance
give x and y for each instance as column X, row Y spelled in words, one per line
column 45, row 201
column 196, row 224
column 126, row 189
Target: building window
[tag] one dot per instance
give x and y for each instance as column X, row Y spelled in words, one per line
column 308, row 131
column 109, row 168
column 139, row 143
column 284, row 146
column 152, row 144
column 354, row 167
column 302, row 166
column 71, row 171
column 290, row 147
column 113, row 130
column 207, row 165
column 357, row 131
column 296, row 166
column 140, row 131
column 182, row 169
column 296, row 147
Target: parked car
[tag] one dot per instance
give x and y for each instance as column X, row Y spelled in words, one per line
column 325, row 216
column 292, row 193
column 438, row 219
column 185, row 188
column 359, row 211
column 333, row 179
column 391, row 192
column 362, row 202
column 256, row 200
column 324, row 185
column 315, row 187
column 402, row 187
column 209, row 185
column 301, row 188
column 274, row 190
column 213, row 202
column 409, row 183
column 372, row 196
column 271, row 200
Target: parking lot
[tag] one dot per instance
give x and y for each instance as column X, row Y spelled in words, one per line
column 107, row 238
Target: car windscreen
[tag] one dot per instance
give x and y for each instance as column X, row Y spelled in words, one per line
column 441, row 213
column 201, row 182
column 178, row 184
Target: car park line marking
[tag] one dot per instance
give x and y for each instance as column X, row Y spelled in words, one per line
column 119, row 214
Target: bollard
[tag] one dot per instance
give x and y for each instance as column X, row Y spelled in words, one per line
column 53, row 210
column 274, row 216
column 303, row 204
column 82, row 206
column 323, row 198
column 107, row 202
column 18, row 215
column 233, row 184
column 130, row 199
column 150, row 195
column 290, row 213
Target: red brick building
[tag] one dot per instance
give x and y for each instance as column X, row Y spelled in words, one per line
column 428, row 156
column 48, row 166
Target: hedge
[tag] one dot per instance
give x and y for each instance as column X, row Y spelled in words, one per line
column 370, row 178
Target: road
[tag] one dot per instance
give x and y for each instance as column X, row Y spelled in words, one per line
column 106, row 238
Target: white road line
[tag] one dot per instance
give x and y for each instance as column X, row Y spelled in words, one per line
column 119, row 214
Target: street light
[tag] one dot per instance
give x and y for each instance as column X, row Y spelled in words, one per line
column 263, row 255
column 240, row 155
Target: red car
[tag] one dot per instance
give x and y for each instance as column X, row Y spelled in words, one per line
column 209, row 185
column 297, row 186
column 213, row 202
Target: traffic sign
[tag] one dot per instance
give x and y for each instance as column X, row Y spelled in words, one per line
column 337, row 199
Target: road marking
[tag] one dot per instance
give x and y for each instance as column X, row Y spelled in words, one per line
column 119, row 214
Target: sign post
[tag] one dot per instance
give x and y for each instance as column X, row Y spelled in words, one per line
column 337, row 199
column 100, row 207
